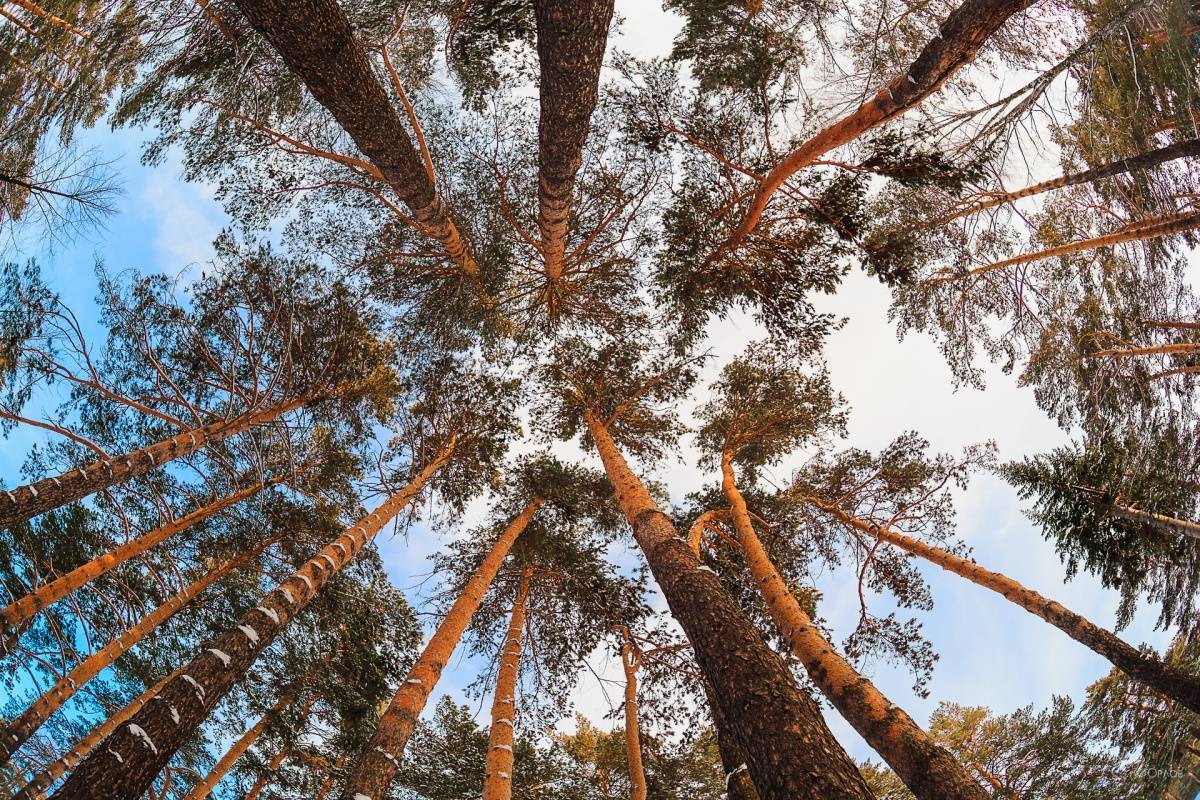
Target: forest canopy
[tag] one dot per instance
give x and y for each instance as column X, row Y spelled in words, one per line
column 534, row 426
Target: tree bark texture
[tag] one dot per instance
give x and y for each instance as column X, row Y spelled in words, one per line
column 30, row 720
column 1141, row 666
column 26, row 607
column 1186, row 149
column 26, row 502
column 571, row 37
column 1140, row 232
column 315, row 40
column 738, row 785
column 498, row 765
column 633, row 739
column 376, row 768
column 129, row 760
column 927, row 769
column 204, row 788
column 790, row 752
column 955, row 46
column 37, row 787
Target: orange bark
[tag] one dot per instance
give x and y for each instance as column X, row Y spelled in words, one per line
column 377, row 766
column 1149, row 350
column 265, row 779
column 1140, row 232
column 323, row 792
column 497, row 776
column 1189, row 148
column 25, row 502
column 25, row 725
column 37, row 10
column 37, row 787
column 630, row 661
column 790, row 751
column 128, row 765
column 26, row 607
column 204, row 788
column 926, row 768
column 960, row 36
column 1140, row 666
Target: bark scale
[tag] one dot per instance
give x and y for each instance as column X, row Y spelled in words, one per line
column 1141, row 666
column 1186, row 149
column 36, row 788
column 738, row 785
column 1141, row 232
column 633, row 740
column 379, row 762
column 790, row 752
column 25, row 502
column 960, row 37
column 498, row 767
column 204, row 788
column 571, row 36
column 314, row 38
column 17, row 612
column 264, row 780
column 30, row 720
column 927, row 769
column 128, row 761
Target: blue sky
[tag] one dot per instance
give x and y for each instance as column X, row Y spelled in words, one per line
column 992, row 652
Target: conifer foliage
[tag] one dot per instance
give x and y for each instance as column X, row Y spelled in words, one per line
column 477, row 299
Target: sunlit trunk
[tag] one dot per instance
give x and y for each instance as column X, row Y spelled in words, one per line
column 498, row 765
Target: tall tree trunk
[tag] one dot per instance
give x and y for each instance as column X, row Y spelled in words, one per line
column 498, row 766
column 25, row 725
column 137, row 752
column 738, row 785
column 959, row 38
column 927, row 769
column 1148, row 350
column 1159, row 522
column 633, row 739
column 1138, row 232
column 377, row 766
column 323, row 792
column 268, row 776
column 315, row 40
column 1186, row 149
column 571, row 36
column 26, row 502
column 204, row 788
column 1179, row 686
column 790, row 751
column 37, row 787
column 25, row 608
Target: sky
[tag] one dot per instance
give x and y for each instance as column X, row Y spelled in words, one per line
column 992, row 652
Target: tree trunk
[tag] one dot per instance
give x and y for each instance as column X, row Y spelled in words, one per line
column 377, row 766
column 790, row 752
column 927, row 769
column 315, row 40
column 134, row 755
column 1148, row 350
column 571, row 36
column 26, row 502
column 1186, row 149
column 26, row 607
column 960, row 36
column 204, row 788
column 1139, row 232
column 328, row 784
column 738, row 785
column 24, row 726
column 498, row 769
column 37, row 787
column 264, row 780
column 1159, row 522
column 1179, row 686
column 633, row 743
